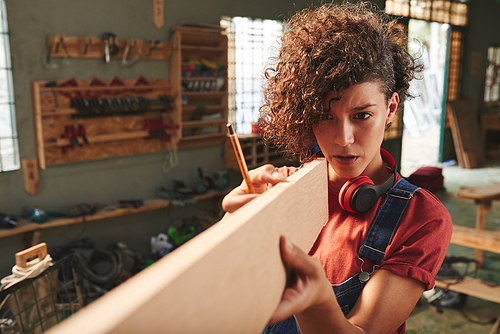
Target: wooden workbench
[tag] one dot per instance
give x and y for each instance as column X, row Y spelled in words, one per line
column 483, row 197
column 480, row 240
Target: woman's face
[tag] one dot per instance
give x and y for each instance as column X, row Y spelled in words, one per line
column 351, row 131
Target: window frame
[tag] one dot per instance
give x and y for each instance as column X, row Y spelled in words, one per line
column 9, row 145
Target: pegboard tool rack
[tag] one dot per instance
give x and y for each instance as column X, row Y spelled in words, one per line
column 115, row 131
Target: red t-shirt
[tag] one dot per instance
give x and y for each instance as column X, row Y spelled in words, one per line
column 417, row 249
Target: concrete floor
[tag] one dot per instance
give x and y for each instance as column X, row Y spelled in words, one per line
column 424, row 318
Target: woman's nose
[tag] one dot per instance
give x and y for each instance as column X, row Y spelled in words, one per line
column 344, row 134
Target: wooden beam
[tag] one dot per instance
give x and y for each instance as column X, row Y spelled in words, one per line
column 229, row 279
column 473, row 287
column 477, row 239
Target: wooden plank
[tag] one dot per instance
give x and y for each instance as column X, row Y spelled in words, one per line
column 62, row 46
column 105, row 138
column 473, row 287
column 477, row 239
column 37, row 109
column 465, row 132
column 158, row 15
column 30, row 171
column 229, row 279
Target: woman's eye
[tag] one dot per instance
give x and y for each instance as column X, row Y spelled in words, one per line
column 362, row 115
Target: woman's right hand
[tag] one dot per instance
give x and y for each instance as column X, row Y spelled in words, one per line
column 262, row 178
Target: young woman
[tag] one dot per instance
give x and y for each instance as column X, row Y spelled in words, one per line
column 341, row 74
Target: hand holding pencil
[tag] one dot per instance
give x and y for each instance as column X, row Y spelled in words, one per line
column 240, row 157
column 254, row 182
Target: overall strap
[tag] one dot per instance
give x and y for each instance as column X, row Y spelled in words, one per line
column 386, row 221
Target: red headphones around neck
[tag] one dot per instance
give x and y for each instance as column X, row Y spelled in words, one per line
column 359, row 194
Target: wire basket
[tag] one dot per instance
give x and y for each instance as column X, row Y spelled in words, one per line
column 34, row 305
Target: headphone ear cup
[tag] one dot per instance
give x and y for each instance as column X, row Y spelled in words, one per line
column 350, row 193
column 364, row 199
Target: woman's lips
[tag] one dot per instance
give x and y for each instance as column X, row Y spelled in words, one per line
column 345, row 160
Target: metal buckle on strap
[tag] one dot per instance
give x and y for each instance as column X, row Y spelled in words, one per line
column 410, row 194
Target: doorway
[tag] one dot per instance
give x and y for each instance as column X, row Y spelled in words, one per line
column 422, row 114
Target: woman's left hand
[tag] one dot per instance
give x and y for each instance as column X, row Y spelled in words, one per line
column 307, row 288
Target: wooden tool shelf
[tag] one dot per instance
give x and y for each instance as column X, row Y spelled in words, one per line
column 76, row 120
column 62, row 46
column 107, row 212
column 198, row 72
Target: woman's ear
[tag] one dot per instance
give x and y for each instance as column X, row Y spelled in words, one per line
column 392, row 107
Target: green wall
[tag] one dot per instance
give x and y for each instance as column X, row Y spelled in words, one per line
column 138, row 176
column 112, row 179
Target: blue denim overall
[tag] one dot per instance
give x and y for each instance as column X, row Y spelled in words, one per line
column 379, row 236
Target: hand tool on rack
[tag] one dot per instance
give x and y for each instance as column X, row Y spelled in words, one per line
column 153, row 46
column 71, row 82
column 109, row 49
column 156, row 128
column 94, row 82
column 51, row 84
column 82, row 132
column 141, row 81
column 115, row 81
column 131, row 44
column 73, row 138
column 69, row 133
column 87, row 43
column 48, row 61
column 53, row 43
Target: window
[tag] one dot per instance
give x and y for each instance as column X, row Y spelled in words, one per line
column 443, row 11
column 453, row 12
column 9, row 151
column 251, row 43
column 492, row 85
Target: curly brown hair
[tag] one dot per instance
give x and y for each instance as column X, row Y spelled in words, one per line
column 331, row 47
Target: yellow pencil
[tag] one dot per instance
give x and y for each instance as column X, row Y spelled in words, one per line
column 240, row 157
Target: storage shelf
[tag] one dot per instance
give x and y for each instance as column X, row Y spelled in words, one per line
column 203, row 137
column 193, row 124
column 100, row 88
column 198, row 48
column 206, row 107
column 193, row 44
column 108, row 212
column 71, row 111
column 203, row 78
column 205, row 94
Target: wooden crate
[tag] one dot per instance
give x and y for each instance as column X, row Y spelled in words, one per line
column 256, row 153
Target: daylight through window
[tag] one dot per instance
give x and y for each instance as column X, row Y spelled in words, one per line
column 251, row 43
column 9, row 151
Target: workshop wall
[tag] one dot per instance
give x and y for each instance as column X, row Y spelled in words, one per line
column 482, row 32
column 107, row 180
column 138, row 176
